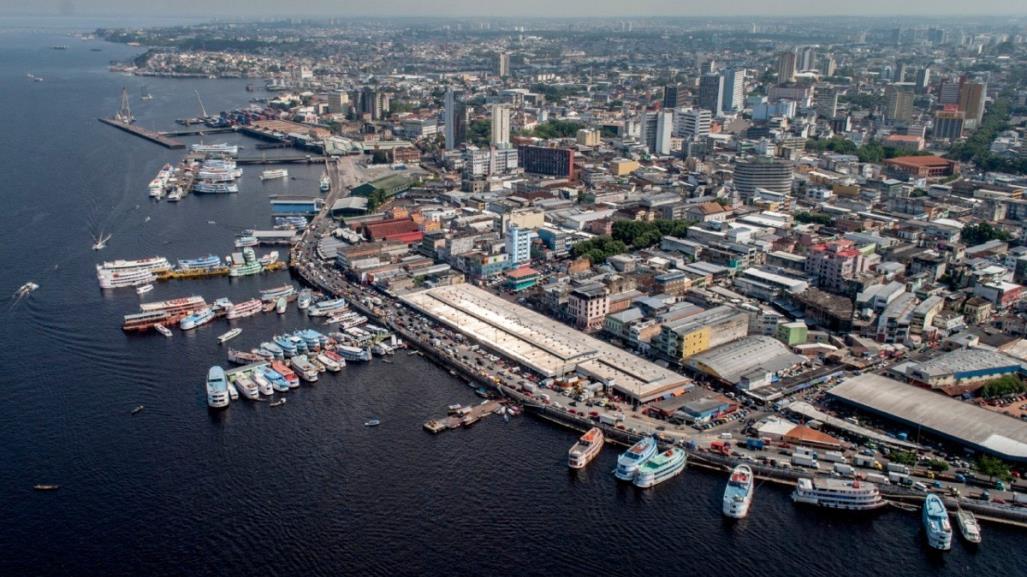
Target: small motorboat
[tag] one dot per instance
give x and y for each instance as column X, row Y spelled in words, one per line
column 101, row 241
column 163, row 330
column 138, row 409
column 44, row 487
column 281, row 305
column 144, row 289
column 229, row 335
column 25, row 289
column 969, row 528
column 278, row 403
column 374, row 422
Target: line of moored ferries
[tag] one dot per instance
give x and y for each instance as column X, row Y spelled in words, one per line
column 284, row 362
column 142, row 272
column 644, row 465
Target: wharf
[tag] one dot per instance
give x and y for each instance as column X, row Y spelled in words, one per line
column 192, row 273
column 465, row 417
column 150, row 135
column 199, row 131
column 304, row 159
column 273, row 237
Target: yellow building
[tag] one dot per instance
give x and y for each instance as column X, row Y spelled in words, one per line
column 588, row 137
column 622, row 166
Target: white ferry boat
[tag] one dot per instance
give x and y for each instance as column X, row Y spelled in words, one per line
column 738, row 493
column 586, row 449
column 844, row 494
column 274, row 174
column 661, row 467
column 245, row 309
column 201, row 317
column 936, row 523
column 969, row 528
column 225, row 148
column 327, row 307
column 127, row 278
column 629, row 461
column 217, row 388
column 152, row 264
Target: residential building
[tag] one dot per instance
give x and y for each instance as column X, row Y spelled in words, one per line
column 832, row 265
column 711, row 93
column 693, row 124
column 734, row 89
column 500, row 126
column 685, row 337
column 455, row 119
column 503, row 64
column 786, row 63
column 588, row 305
column 518, row 244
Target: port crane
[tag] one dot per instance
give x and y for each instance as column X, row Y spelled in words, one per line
column 124, row 111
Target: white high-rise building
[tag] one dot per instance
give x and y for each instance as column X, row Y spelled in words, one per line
column 693, row 123
column 657, row 130
column 734, row 89
column 500, row 126
column 518, row 244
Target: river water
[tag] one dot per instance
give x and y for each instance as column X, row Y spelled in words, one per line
column 305, row 489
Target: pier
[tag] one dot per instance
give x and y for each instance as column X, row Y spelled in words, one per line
column 155, row 137
column 464, row 417
column 192, row 273
column 199, row 131
column 294, row 159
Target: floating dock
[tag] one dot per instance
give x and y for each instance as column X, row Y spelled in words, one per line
column 273, row 237
column 464, row 417
column 192, row 273
column 150, row 135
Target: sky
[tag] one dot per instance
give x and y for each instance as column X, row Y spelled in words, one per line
column 244, row 9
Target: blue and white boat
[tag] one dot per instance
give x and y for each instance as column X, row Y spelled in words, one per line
column 629, row 461
column 285, row 343
column 327, row 307
column 200, row 317
column 738, row 493
column 661, row 467
column 936, row 523
column 304, row 299
column 312, row 338
column 209, row 261
column 275, row 350
column 278, row 382
column 217, row 388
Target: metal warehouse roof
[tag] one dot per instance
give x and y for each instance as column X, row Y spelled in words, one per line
column 936, row 413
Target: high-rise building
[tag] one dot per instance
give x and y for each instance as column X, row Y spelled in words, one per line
column 948, row 124
column 456, row 120
column 827, row 102
column 831, row 265
column 338, row 102
column 923, row 79
column 786, row 67
column 899, row 104
column 518, row 244
column 948, row 92
column 828, row 66
column 673, row 96
column 588, row 137
column 657, row 129
column 767, row 173
column 734, row 89
column 711, row 93
column 971, row 102
column 503, row 64
column 373, row 102
column 500, row 126
column 693, row 124
column 808, row 58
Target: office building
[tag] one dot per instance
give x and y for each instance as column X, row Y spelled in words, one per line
column 711, row 93
column 971, row 102
column 808, row 58
column 657, row 128
column 518, row 245
column 500, row 126
column 734, row 89
column 948, row 92
column 948, row 124
column 693, row 123
column 589, row 137
column 786, row 67
column 899, row 104
column 923, row 80
column 827, row 102
column 673, row 96
column 503, row 64
column 766, row 173
column 456, row 120
column 338, row 102
column 546, row 161
column 374, row 103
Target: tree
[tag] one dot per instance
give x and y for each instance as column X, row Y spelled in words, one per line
column 992, row 467
column 903, row 457
column 598, row 249
column 1002, row 386
column 645, row 234
column 479, row 132
column 975, row 234
column 813, row 217
column 557, row 129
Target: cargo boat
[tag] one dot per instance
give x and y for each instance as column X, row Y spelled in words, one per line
column 187, row 304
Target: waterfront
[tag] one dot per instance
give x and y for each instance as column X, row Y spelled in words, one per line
column 304, row 489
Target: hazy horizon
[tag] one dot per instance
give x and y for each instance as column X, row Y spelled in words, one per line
column 522, row 9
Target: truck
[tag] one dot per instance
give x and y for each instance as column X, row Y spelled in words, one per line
column 898, row 468
column 900, row 478
column 610, row 418
column 844, row 470
column 721, row 448
column 754, row 444
column 805, row 461
column 832, row 457
column 865, row 461
column 877, row 478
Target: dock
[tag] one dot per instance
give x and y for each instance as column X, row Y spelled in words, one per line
column 192, row 273
column 141, row 132
column 199, row 131
column 464, row 417
column 276, row 237
column 294, row 159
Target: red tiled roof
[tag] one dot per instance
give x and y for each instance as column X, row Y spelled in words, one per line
column 522, row 272
column 919, row 161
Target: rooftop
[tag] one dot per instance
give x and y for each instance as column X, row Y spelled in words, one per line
column 733, row 360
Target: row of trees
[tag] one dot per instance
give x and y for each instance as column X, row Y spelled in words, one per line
column 598, row 249
column 870, row 152
column 974, row 234
column 556, row 129
column 1007, row 385
column 813, row 217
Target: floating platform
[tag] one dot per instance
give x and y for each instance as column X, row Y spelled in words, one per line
column 150, row 135
column 465, row 417
column 192, row 273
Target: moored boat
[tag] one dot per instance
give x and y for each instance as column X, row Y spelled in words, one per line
column 263, row 384
column 969, row 528
column 243, row 358
column 163, row 330
column 353, row 353
column 144, row 289
column 586, row 449
column 244, row 309
column 328, row 362
column 200, row 317
column 272, row 294
column 288, row 374
column 936, row 523
column 217, row 388
column 246, row 386
column 738, row 493
column 281, row 305
column 307, row 371
column 661, row 467
column 274, row 174
column 843, row 494
column 327, row 307
column 277, row 380
column 275, row 350
column 629, row 461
